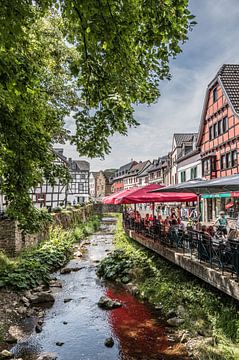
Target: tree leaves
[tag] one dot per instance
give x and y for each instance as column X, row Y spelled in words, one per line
column 95, row 59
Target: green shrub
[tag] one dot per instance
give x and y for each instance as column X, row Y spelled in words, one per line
column 33, row 267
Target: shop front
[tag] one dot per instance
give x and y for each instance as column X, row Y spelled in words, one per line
column 214, row 203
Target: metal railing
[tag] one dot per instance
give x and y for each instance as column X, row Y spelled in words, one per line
column 219, row 253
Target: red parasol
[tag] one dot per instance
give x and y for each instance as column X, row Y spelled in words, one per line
column 142, row 195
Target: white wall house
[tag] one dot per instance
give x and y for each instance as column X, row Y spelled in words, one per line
column 182, row 144
column 92, row 184
column 75, row 192
column 189, row 166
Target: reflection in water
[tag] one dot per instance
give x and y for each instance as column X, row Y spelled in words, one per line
column 136, row 330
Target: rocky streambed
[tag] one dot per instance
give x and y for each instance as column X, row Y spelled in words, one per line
column 81, row 317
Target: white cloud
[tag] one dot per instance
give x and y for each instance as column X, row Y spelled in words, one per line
column 214, row 41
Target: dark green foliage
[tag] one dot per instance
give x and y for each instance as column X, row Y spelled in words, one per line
column 116, row 267
column 33, row 267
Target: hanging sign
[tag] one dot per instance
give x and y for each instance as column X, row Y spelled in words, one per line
column 216, row 196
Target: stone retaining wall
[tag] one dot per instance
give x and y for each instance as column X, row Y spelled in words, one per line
column 106, row 208
column 13, row 240
column 223, row 282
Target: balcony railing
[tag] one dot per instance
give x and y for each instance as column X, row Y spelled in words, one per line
column 217, row 253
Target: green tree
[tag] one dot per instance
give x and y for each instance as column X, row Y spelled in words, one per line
column 96, row 58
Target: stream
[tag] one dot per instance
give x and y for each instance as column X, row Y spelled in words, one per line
column 81, row 327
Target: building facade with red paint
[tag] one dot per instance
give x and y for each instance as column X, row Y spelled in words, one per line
column 219, row 134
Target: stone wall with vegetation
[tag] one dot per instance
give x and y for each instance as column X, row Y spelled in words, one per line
column 13, row 240
column 106, row 208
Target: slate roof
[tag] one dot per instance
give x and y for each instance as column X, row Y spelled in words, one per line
column 181, row 138
column 135, row 169
column 123, row 170
column 82, row 165
column 229, row 76
column 158, row 164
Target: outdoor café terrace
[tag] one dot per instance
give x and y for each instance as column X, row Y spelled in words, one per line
column 212, row 256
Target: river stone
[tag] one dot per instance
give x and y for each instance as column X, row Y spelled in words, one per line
column 38, row 328
column 65, row 271
column 76, row 268
column 55, row 283
column 109, row 342
column 5, row 354
column 42, row 297
column 175, row 321
column 108, row 304
column 11, row 339
column 47, row 356
column 22, row 310
column 171, row 314
column 78, row 254
column 25, row 301
column 67, row 300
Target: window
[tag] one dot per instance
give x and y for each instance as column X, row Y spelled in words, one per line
column 82, row 176
column 225, row 124
column 194, row 173
column 183, row 176
column 215, row 130
column 228, row 160
column 220, row 128
column 210, row 133
column 234, row 158
column 223, row 162
column 215, row 95
column 206, row 167
column 81, row 187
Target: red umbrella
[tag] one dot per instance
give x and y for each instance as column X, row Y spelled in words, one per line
column 111, row 198
column 139, row 195
column 142, row 195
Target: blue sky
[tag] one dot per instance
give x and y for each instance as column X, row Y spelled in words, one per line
column 213, row 42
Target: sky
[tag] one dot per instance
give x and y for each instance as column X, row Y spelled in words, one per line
column 213, row 42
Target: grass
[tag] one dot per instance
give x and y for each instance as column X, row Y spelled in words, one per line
column 33, row 267
column 207, row 312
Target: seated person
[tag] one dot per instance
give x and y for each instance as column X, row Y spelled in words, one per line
column 160, row 219
column 234, row 235
column 181, row 225
column 210, row 230
column 204, row 230
column 174, row 220
column 137, row 217
column 146, row 220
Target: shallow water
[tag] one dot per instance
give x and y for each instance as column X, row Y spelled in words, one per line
column 136, row 329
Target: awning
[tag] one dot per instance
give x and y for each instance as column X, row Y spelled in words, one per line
column 111, row 198
column 220, row 185
column 145, row 195
column 192, row 186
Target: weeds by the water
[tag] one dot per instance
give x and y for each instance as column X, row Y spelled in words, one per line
column 207, row 312
column 33, row 267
